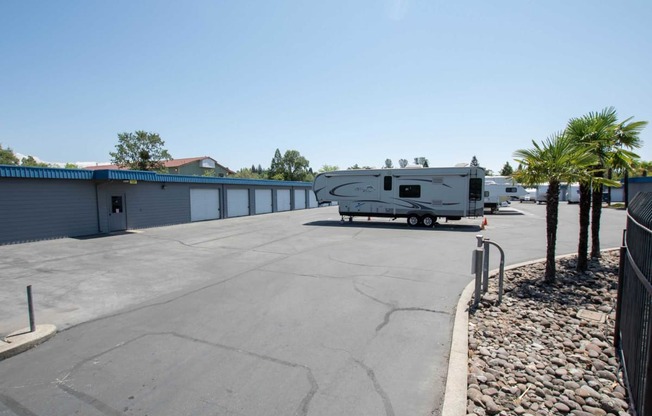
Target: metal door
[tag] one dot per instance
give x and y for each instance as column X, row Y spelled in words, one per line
column 117, row 213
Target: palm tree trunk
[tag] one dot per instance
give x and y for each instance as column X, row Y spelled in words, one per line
column 596, row 213
column 552, row 219
column 585, row 212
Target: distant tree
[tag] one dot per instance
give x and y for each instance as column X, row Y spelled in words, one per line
column 140, row 151
column 71, row 166
column 421, row 161
column 389, row 164
column 488, row 172
column 290, row 167
column 7, row 156
column 329, row 168
column 247, row 173
column 354, row 167
column 507, row 170
column 30, row 161
column 474, row 162
column 643, row 167
column 402, row 162
column 260, row 170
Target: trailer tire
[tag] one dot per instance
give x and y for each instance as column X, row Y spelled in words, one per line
column 413, row 220
column 429, row 221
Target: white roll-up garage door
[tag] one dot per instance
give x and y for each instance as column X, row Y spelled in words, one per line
column 283, row 200
column 263, row 201
column 237, row 202
column 299, row 199
column 204, row 204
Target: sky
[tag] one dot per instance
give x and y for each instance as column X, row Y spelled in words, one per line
column 342, row 82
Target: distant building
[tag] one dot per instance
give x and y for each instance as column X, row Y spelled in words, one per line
column 193, row 166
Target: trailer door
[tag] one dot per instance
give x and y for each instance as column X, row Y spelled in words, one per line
column 476, row 200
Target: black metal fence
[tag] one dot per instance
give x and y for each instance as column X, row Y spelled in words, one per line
column 633, row 337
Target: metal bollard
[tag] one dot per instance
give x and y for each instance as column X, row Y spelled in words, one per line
column 485, row 267
column 30, row 309
column 477, row 257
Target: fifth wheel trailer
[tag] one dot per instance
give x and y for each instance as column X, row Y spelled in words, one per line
column 422, row 195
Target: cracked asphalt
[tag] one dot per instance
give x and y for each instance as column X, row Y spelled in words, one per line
column 281, row 314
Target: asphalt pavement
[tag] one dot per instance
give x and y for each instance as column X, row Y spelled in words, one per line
column 278, row 314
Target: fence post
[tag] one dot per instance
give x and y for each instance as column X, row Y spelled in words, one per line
column 619, row 305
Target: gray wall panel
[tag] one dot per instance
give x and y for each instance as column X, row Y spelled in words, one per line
column 35, row 209
column 148, row 204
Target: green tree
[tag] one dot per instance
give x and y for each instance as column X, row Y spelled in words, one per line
column 421, row 161
column 30, row 161
column 626, row 134
column 140, row 151
column 290, row 167
column 388, row 164
column 507, row 170
column 402, row 163
column 601, row 134
column 329, row 168
column 276, row 168
column 71, row 166
column 7, row 156
column 555, row 160
column 247, row 173
column 474, row 162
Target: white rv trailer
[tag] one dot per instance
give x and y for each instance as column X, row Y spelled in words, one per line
column 422, row 195
column 498, row 189
column 573, row 193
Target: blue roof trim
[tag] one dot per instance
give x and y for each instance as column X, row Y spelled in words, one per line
column 641, row 179
column 7, row 171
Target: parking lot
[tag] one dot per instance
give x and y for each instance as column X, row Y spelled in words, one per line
column 286, row 313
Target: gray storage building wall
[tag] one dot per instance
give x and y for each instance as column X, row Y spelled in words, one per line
column 37, row 209
column 147, row 204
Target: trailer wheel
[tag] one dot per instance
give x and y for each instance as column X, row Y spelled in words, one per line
column 413, row 220
column 429, row 221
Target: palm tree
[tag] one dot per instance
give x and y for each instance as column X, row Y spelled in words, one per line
column 555, row 160
column 625, row 134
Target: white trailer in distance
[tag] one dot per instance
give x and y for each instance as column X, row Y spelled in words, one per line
column 422, row 195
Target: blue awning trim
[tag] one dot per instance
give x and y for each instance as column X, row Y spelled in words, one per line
column 7, row 171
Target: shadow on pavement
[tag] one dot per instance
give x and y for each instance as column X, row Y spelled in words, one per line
column 394, row 225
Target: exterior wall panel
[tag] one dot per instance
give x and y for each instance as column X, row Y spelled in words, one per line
column 35, row 209
column 147, row 204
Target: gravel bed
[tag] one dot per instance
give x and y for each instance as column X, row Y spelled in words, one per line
column 547, row 349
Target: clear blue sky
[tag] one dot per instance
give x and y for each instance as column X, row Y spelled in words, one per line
column 342, row 82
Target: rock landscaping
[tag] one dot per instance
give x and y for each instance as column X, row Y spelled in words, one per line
column 547, row 348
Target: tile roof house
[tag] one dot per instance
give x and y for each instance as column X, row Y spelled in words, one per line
column 196, row 166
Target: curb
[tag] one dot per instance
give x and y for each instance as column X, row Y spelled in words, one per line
column 456, row 380
column 22, row 340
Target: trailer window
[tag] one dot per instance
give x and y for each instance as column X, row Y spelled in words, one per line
column 510, row 190
column 388, row 183
column 475, row 189
column 409, row 191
